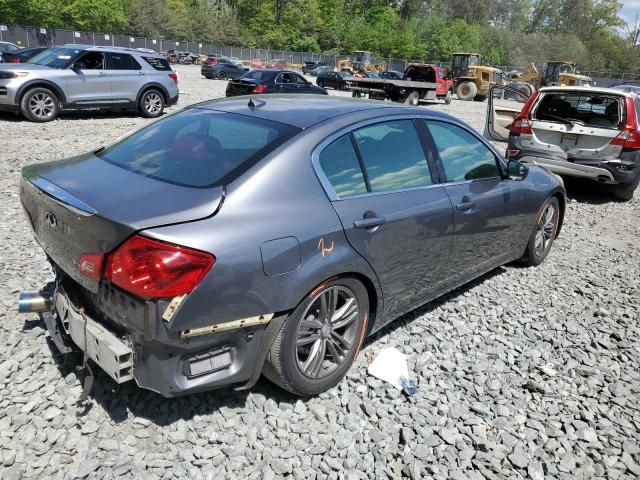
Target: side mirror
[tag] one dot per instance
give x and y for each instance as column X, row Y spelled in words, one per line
column 76, row 66
column 516, row 170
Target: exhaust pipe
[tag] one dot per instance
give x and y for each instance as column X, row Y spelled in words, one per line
column 35, row 302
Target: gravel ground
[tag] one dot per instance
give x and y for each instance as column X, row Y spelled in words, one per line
column 526, row 373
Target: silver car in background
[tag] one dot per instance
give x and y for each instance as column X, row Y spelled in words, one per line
column 73, row 77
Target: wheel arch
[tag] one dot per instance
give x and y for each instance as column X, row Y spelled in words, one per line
column 562, row 201
column 40, row 83
column 152, row 86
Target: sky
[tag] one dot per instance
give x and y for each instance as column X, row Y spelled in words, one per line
column 630, row 9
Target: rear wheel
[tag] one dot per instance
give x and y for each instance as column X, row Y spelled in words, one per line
column 151, row 104
column 413, row 98
column 623, row 192
column 320, row 83
column 466, row 90
column 40, row 105
column 222, row 76
column 321, row 338
column 544, row 233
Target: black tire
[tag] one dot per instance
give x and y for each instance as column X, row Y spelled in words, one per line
column 320, row 83
column 151, row 103
column 222, row 76
column 535, row 253
column 284, row 366
column 40, row 105
column 413, row 98
column 448, row 97
column 466, row 90
column 479, row 98
column 623, row 192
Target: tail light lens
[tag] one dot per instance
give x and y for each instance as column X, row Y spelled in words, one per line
column 260, row 88
column 153, row 269
column 629, row 137
column 174, row 77
column 521, row 126
column 15, row 60
column 90, row 264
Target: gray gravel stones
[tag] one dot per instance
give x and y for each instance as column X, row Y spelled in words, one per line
column 526, row 373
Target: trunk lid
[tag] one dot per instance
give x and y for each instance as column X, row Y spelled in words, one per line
column 87, row 205
column 241, row 86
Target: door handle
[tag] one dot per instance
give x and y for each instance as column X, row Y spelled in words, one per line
column 140, row 73
column 369, row 222
column 465, row 206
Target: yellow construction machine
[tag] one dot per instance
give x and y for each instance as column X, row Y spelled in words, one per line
column 361, row 61
column 555, row 73
column 472, row 77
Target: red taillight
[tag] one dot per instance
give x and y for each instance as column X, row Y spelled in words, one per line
column 153, row 269
column 174, row 77
column 629, row 137
column 90, row 264
column 521, row 126
column 259, row 88
column 15, row 60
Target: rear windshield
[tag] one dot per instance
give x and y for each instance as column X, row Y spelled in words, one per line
column 198, row 147
column 158, row 63
column 590, row 109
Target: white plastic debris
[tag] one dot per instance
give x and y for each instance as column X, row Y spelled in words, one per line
column 391, row 366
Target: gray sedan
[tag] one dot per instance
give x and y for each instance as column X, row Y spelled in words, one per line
column 272, row 235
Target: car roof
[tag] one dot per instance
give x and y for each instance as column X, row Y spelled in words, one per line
column 101, row 48
column 304, row 111
column 586, row 89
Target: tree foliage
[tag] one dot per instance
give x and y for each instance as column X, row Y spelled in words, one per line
column 505, row 32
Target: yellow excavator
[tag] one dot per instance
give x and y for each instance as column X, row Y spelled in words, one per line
column 361, row 61
column 555, row 73
column 472, row 77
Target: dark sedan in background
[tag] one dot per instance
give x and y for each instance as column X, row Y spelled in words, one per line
column 309, row 66
column 225, row 241
column 23, row 55
column 272, row 81
column 335, row 80
column 223, row 71
column 392, row 75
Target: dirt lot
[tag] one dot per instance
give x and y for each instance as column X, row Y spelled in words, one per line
column 526, row 373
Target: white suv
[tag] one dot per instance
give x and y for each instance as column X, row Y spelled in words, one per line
column 78, row 77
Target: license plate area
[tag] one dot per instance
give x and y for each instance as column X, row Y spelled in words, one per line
column 570, row 139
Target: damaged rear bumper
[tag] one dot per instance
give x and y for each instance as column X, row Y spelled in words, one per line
column 168, row 364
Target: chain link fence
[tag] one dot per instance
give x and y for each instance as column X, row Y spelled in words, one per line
column 40, row 36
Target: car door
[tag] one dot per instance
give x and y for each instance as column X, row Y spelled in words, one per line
column 488, row 207
column 505, row 102
column 381, row 183
column 87, row 81
column 303, row 85
column 126, row 74
column 286, row 83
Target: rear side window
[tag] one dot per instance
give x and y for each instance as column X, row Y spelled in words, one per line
column 340, row 165
column 158, row 63
column 259, row 75
column 122, row 61
column 198, row 147
column 393, row 156
column 463, row 156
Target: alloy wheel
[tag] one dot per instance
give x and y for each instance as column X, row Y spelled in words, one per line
column 327, row 333
column 546, row 229
column 153, row 103
column 42, row 105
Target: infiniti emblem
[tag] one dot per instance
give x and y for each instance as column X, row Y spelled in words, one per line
column 51, row 219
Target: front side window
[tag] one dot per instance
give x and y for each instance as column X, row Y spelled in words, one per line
column 464, row 157
column 198, row 147
column 91, row 61
column 393, row 156
column 340, row 165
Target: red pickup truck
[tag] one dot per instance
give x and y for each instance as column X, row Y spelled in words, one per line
column 421, row 82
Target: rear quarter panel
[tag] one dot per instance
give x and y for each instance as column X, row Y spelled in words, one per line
column 278, row 198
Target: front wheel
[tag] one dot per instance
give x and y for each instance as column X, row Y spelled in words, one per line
column 448, row 97
column 222, row 76
column 544, row 233
column 40, row 105
column 466, row 90
column 321, row 338
column 151, row 104
column 413, row 98
column 320, row 84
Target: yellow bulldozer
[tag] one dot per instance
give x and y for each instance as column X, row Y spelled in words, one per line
column 361, row 61
column 472, row 77
column 555, row 73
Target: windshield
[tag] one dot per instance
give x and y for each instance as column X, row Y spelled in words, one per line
column 56, row 57
column 345, row 74
column 198, row 147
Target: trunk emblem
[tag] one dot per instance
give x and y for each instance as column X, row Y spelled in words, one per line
column 51, row 219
